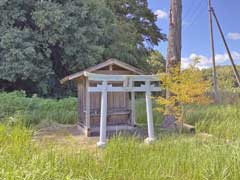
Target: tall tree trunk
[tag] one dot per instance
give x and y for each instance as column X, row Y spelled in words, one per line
column 174, row 49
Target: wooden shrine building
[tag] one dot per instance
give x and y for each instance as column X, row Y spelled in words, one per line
column 106, row 97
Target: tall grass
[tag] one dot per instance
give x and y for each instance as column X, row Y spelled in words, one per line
column 35, row 110
column 174, row 157
column 220, row 120
column 171, row 157
column 141, row 115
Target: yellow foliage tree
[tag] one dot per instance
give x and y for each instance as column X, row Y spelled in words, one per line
column 185, row 87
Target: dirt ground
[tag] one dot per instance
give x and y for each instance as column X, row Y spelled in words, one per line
column 68, row 135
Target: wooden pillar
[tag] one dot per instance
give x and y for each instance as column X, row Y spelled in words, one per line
column 133, row 108
column 80, row 103
column 87, row 108
column 125, row 94
column 103, row 118
column 149, row 114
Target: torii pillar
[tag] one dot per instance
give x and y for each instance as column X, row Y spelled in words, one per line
column 149, row 114
column 103, row 120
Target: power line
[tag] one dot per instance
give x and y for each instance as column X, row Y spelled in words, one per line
column 192, row 9
column 196, row 15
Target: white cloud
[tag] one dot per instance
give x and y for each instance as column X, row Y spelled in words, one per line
column 236, row 57
column 206, row 62
column 221, row 58
column 234, row 36
column 161, row 14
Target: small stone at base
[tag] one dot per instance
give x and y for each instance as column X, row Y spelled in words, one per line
column 149, row 140
column 101, row 144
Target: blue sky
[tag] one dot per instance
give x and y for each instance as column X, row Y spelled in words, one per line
column 195, row 35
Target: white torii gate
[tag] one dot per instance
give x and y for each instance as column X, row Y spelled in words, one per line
column 128, row 86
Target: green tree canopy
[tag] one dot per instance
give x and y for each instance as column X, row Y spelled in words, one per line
column 143, row 19
column 41, row 42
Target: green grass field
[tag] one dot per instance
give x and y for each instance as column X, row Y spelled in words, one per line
column 187, row 157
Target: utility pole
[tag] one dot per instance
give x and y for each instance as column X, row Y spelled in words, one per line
column 215, row 84
column 227, row 48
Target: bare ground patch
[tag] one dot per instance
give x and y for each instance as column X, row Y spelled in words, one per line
column 64, row 135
